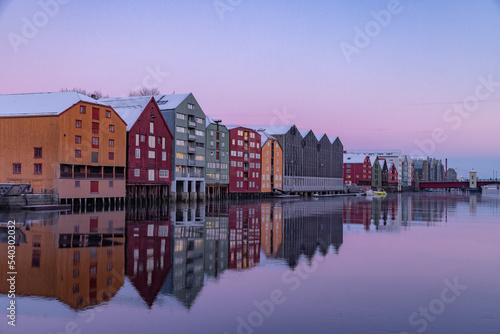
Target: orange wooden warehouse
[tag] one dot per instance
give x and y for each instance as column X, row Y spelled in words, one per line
column 63, row 143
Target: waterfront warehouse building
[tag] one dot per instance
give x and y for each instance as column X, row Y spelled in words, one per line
column 309, row 164
column 357, row 170
column 186, row 120
column 216, row 158
column 272, row 163
column 64, row 143
column 149, row 146
column 245, row 160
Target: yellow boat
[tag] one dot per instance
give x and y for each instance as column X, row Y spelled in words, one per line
column 380, row 193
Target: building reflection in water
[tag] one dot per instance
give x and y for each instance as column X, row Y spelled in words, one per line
column 148, row 252
column 244, row 235
column 75, row 258
column 400, row 211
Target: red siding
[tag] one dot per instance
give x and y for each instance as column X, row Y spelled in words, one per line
column 144, row 163
column 244, row 175
column 244, row 236
column 360, row 173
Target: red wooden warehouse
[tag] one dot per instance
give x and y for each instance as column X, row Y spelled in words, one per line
column 149, row 146
column 245, row 160
column 357, row 169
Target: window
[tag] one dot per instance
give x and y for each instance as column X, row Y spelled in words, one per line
column 199, row 120
column 137, row 153
column 151, row 141
column 77, row 184
column 163, row 173
column 191, row 106
column 151, row 154
column 35, row 258
column 180, row 129
column 95, row 142
column 136, row 139
column 38, row 169
column 180, row 142
column 240, row 133
column 111, row 128
column 199, row 133
column 143, row 138
column 151, row 127
column 78, row 153
column 110, row 184
column 111, row 143
column 111, row 156
column 163, row 143
column 78, row 139
column 95, row 128
column 83, row 109
column 94, row 157
column 16, row 168
column 164, row 156
column 94, row 187
column 108, row 114
column 137, row 172
column 181, row 116
column 95, row 113
column 151, row 174
column 78, row 123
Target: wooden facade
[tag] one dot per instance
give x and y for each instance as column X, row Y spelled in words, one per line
column 63, row 143
column 149, row 148
column 245, row 160
column 272, row 164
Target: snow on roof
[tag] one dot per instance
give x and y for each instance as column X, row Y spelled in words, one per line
column 304, row 132
column 332, row 139
column 129, row 108
column 271, row 129
column 264, row 136
column 40, row 104
column 385, row 153
column 319, row 136
column 354, row 158
column 372, row 159
column 169, row 102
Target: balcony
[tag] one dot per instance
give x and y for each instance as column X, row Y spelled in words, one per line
column 245, row 158
column 192, row 149
column 191, row 124
column 245, row 169
column 192, row 162
column 191, row 137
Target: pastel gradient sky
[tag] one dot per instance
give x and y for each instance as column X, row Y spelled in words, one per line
column 280, row 62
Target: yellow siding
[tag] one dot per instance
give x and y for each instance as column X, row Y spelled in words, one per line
column 268, row 165
column 18, row 138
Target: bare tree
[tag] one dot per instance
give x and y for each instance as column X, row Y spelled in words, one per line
column 96, row 94
column 145, row 92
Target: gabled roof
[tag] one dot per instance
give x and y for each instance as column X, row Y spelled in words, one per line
column 354, row 158
column 209, row 120
column 170, row 102
column 304, row 133
column 41, row 104
column 264, row 136
column 333, row 139
column 129, row 108
column 320, row 136
column 271, row 129
column 372, row 159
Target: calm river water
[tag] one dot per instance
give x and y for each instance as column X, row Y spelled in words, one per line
column 407, row 263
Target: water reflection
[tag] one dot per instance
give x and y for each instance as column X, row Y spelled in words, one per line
column 174, row 252
column 401, row 211
column 77, row 259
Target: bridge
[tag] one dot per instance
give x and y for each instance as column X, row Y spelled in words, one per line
column 454, row 184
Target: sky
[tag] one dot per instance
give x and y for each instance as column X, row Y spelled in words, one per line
column 421, row 76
